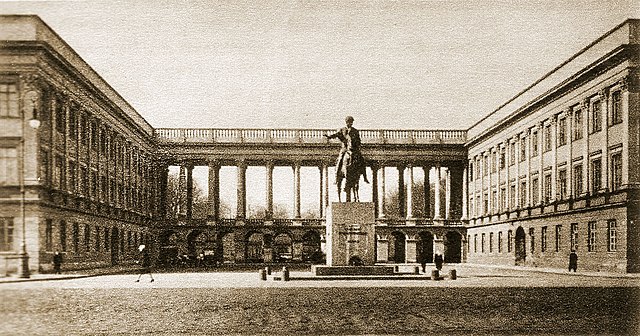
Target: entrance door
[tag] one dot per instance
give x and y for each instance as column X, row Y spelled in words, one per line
column 399, row 241
column 521, row 252
column 453, row 247
column 425, row 247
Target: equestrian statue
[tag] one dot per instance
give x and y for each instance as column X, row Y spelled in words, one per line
column 350, row 164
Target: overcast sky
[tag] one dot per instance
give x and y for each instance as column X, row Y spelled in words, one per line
column 307, row 64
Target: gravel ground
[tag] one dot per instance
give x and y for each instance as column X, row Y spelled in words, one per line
column 430, row 310
column 480, row 302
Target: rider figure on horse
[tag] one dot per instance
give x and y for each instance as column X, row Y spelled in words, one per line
column 350, row 153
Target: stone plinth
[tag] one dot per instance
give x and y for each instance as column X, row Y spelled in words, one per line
column 350, row 233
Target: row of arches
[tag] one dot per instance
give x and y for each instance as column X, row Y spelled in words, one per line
column 425, row 247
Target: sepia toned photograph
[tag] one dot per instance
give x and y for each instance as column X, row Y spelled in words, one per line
column 300, row 167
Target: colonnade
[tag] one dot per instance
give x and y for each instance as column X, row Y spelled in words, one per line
column 452, row 193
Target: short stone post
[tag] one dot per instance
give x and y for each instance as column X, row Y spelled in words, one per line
column 285, row 274
column 268, row 270
column 435, row 274
column 416, row 270
column 263, row 274
column 452, row 274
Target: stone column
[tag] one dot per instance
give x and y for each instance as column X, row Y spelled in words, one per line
column 436, row 205
column 164, row 178
column 241, row 189
column 586, row 179
column 374, row 189
column 465, row 196
column 383, row 193
column 321, row 191
column 604, row 102
column 410, row 250
column 541, row 136
column 554, row 155
column 447, row 193
column 182, row 185
column 269, row 200
column 214, row 190
column 296, row 191
column 189, row 191
column 325, row 178
column 569, row 137
column 427, row 192
column 401, row 192
column 382, row 250
column 410, row 193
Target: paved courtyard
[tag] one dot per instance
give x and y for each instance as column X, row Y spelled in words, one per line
column 480, row 301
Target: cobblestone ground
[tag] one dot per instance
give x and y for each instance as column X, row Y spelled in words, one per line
column 239, row 303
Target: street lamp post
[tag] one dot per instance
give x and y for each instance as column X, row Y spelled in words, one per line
column 34, row 123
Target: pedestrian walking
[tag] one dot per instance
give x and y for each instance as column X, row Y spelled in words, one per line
column 145, row 261
column 573, row 261
column 57, row 262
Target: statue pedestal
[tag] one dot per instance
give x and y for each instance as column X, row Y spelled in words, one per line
column 350, row 234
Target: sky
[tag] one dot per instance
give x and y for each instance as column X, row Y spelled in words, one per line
column 308, row 64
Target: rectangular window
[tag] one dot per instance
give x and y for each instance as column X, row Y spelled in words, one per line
column 106, row 239
column 577, row 180
column 612, row 233
column 523, row 149
column 48, row 235
column 97, row 239
column 596, row 116
column 500, row 242
column 6, row 233
column 532, row 239
column 562, row 183
column 535, row 195
column 494, row 201
column 523, row 194
column 543, row 239
column 616, row 171
column 471, row 171
column 596, row 175
column 577, row 124
column 61, row 118
column 574, row 236
column 562, row 132
column 94, row 135
column 485, row 165
column 512, row 197
column 558, row 237
column 503, row 199
column 512, row 153
column 9, row 100
column 591, row 237
column 503, row 158
column 485, row 205
column 509, row 241
column 490, row 242
column 547, row 138
column 84, row 181
column 547, row 189
column 616, row 108
column 8, row 166
column 475, row 243
column 73, row 119
column 482, row 243
column 493, row 161
column 534, row 143
column 87, row 237
column 72, row 177
column 63, row 235
column 76, row 237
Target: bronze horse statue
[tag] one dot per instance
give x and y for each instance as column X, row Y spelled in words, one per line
column 351, row 169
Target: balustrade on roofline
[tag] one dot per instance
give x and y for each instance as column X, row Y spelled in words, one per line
column 303, row 222
column 306, row 136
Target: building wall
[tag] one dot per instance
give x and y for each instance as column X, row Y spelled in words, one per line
column 566, row 156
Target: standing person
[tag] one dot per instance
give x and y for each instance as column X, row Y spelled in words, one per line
column 57, row 262
column 350, row 139
column 573, row 261
column 438, row 260
column 145, row 262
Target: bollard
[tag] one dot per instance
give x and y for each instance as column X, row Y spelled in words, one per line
column 452, row 274
column 263, row 274
column 435, row 274
column 416, row 270
column 396, row 268
column 268, row 270
column 285, row 274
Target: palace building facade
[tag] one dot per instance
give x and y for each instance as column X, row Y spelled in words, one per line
column 555, row 169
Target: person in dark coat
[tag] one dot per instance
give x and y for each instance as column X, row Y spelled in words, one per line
column 57, row 262
column 145, row 262
column 438, row 260
column 573, row 261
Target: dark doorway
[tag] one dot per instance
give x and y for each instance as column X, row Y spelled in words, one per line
column 453, row 247
column 425, row 247
column 115, row 246
column 311, row 247
column 399, row 241
column 521, row 253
